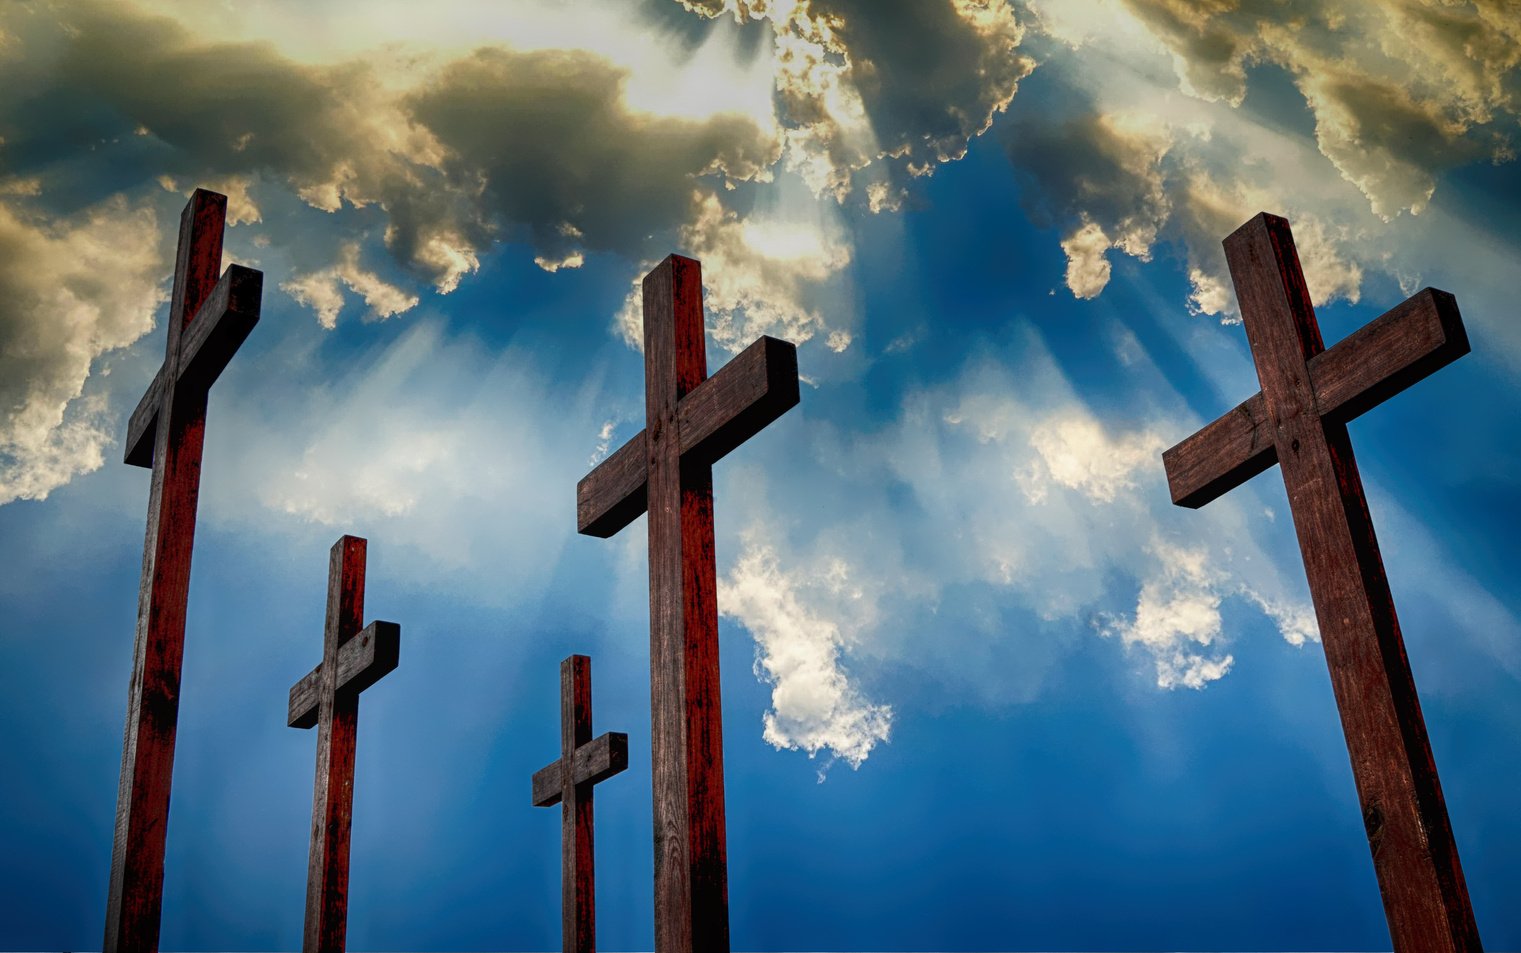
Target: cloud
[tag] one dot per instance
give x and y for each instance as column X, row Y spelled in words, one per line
column 439, row 147
column 1177, row 619
column 759, row 275
column 538, row 145
column 560, row 155
column 459, row 451
column 1171, row 123
column 1076, row 453
column 1399, row 91
column 896, row 87
column 320, row 290
column 69, row 293
column 814, row 704
column 971, row 545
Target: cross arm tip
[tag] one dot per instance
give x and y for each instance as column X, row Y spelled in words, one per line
column 370, row 656
column 743, row 398
column 302, row 709
column 142, row 425
column 614, row 494
column 221, row 325
column 1221, row 455
column 546, row 786
column 602, row 757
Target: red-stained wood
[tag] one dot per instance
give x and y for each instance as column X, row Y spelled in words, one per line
column 666, row 470
column 569, row 782
column 208, row 320
column 1299, row 421
column 328, row 698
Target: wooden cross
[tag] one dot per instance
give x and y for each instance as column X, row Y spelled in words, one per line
column 1299, row 420
column 328, row 698
column 208, row 320
column 691, row 421
column 568, row 782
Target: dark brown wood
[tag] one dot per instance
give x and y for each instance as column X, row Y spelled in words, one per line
column 362, row 661
column 690, row 422
column 221, row 324
column 207, row 321
column 569, row 782
column 328, row 698
column 723, row 412
column 1299, row 420
column 1421, row 335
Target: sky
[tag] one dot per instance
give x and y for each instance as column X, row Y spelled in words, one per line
column 985, row 688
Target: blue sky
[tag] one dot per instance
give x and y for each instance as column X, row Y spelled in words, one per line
column 984, row 687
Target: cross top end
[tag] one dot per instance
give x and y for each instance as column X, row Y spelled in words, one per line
column 583, row 760
column 702, row 418
column 209, row 318
column 1407, row 343
column 354, row 658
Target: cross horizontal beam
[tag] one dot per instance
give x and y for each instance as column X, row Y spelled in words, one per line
column 722, row 412
column 220, row 325
column 362, row 661
column 1407, row 343
column 597, row 760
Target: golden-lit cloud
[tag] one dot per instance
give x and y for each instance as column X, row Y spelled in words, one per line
column 68, row 294
column 872, row 90
column 1189, row 118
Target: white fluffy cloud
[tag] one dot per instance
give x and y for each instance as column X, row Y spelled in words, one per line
column 798, row 644
column 978, row 539
column 1075, row 452
column 321, row 291
column 1177, row 618
column 69, row 293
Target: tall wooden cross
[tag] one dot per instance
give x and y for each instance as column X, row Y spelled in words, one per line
column 328, row 698
column 1299, row 421
column 691, row 421
column 568, row 782
column 208, row 320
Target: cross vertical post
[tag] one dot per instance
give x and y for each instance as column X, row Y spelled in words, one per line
column 569, row 782
column 208, row 320
column 691, row 421
column 328, row 699
column 1299, row 420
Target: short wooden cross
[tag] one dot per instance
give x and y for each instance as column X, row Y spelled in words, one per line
column 208, row 320
column 1299, row 421
column 328, row 698
column 691, row 421
column 568, row 782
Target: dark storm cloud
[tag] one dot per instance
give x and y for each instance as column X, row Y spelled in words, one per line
column 1400, row 89
column 902, row 85
column 104, row 100
column 557, row 151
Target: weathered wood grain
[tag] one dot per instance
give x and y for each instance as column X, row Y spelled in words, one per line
column 328, row 698
column 613, row 495
column 595, row 762
column 722, row 412
column 570, row 783
column 1409, row 342
column 691, row 421
column 1307, row 396
column 738, row 402
column 142, row 426
column 221, row 325
column 362, row 661
column 174, row 412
